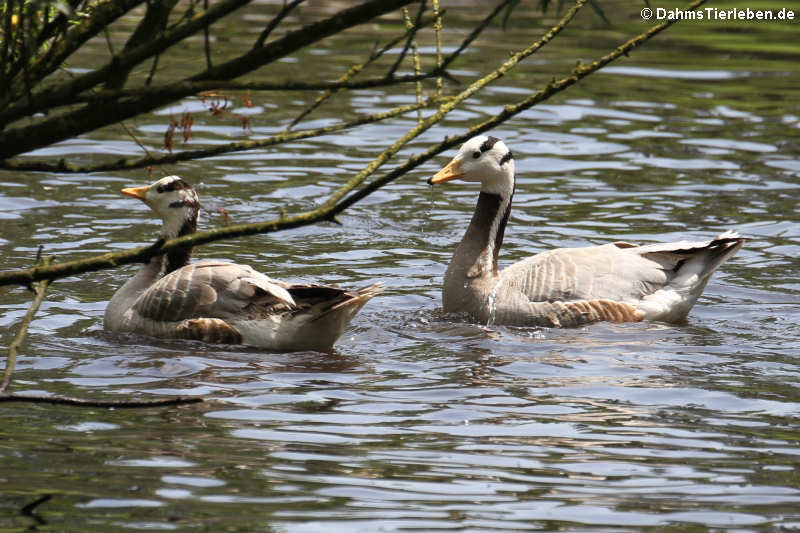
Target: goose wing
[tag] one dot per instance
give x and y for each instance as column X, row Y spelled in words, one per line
column 613, row 271
column 212, row 289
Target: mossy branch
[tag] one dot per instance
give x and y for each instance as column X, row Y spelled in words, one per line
column 26, row 138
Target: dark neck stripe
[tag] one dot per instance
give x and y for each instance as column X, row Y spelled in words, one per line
column 180, row 257
column 501, row 229
column 506, row 158
column 486, row 212
column 186, row 202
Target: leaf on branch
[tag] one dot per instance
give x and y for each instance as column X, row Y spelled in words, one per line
column 168, row 135
column 186, row 126
column 226, row 221
column 217, row 109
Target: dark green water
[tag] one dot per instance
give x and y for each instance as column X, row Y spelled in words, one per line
column 416, row 422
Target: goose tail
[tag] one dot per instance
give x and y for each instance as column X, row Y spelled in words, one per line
column 691, row 264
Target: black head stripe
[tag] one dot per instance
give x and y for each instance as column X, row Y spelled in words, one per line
column 506, row 158
column 488, row 143
column 174, row 185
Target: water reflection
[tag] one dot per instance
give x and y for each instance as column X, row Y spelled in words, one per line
column 418, row 421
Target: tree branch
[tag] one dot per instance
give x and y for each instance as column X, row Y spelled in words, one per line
column 153, row 23
column 70, row 124
column 411, row 34
column 285, row 10
column 125, row 164
column 354, row 71
column 82, row 402
column 11, row 360
column 64, row 93
column 192, row 88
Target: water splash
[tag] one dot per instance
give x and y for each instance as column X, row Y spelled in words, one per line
column 493, row 301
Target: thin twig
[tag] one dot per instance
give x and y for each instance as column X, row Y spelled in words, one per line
column 11, row 360
column 285, row 10
column 352, row 72
column 28, row 509
column 135, row 138
column 415, row 60
column 207, row 40
column 437, row 29
column 473, row 34
column 409, row 40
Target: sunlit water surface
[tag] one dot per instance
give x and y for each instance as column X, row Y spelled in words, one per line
column 418, row 422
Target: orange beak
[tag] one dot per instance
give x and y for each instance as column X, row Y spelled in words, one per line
column 136, row 192
column 451, row 171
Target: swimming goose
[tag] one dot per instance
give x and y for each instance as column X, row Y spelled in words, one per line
column 220, row 302
column 616, row 282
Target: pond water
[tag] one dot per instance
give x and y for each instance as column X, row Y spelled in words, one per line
column 418, row 422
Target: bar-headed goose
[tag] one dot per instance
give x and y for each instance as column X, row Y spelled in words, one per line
column 222, row 302
column 617, row 282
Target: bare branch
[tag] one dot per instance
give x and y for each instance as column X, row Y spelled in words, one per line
column 82, row 402
column 342, row 82
column 555, row 86
column 125, row 164
column 285, row 10
column 437, row 28
column 152, row 24
column 474, row 34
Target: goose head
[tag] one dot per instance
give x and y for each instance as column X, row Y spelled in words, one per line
column 174, row 201
column 482, row 159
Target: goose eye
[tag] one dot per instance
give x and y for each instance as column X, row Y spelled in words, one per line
column 476, row 155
